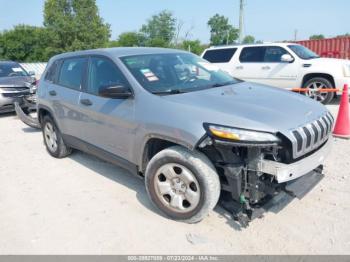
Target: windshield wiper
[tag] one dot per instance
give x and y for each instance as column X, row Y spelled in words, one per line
column 169, row 92
column 222, row 84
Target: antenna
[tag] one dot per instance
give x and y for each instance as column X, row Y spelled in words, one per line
column 241, row 20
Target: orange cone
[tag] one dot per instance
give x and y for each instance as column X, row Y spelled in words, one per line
column 342, row 126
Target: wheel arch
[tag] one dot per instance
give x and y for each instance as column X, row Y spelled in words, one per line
column 310, row 76
column 154, row 144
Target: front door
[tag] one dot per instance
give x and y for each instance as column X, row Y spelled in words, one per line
column 108, row 123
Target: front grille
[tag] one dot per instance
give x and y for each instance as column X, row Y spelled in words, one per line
column 311, row 136
column 14, row 91
column 17, row 94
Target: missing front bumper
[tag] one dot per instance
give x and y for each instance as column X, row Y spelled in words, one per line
column 287, row 172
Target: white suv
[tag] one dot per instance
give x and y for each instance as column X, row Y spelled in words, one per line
column 285, row 65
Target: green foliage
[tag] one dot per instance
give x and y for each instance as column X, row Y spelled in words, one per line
column 317, row 37
column 24, row 43
column 249, row 39
column 159, row 30
column 193, row 46
column 344, row 35
column 131, row 39
column 221, row 32
column 74, row 25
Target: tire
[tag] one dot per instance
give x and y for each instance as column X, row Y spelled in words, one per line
column 53, row 139
column 183, row 184
column 317, row 84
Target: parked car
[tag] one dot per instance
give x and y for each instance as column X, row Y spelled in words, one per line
column 284, row 65
column 15, row 83
column 189, row 128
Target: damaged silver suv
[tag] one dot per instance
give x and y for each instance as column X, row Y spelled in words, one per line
column 193, row 131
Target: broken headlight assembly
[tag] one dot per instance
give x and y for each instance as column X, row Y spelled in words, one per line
column 238, row 135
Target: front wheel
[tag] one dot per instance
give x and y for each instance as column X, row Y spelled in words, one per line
column 315, row 86
column 183, row 184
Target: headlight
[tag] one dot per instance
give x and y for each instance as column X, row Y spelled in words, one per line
column 346, row 69
column 240, row 135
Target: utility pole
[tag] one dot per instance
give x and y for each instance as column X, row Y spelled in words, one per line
column 295, row 35
column 241, row 21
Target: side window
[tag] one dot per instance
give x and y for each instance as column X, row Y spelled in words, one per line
column 71, row 74
column 252, row 54
column 273, row 54
column 219, row 55
column 52, row 72
column 103, row 73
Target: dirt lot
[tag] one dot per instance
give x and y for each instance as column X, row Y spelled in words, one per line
column 81, row 205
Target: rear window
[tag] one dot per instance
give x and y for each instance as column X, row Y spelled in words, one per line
column 219, row 55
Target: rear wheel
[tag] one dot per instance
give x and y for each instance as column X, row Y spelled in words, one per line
column 315, row 86
column 183, row 184
column 53, row 139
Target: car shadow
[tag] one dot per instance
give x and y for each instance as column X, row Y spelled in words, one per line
column 136, row 183
column 116, row 174
column 30, row 130
column 11, row 114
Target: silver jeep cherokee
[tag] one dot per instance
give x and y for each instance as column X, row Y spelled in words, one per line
column 191, row 130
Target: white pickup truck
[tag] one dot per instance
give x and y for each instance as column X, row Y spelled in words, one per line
column 285, row 65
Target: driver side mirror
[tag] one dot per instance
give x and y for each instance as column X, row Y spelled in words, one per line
column 31, row 73
column 115, row 91
column 287, row 58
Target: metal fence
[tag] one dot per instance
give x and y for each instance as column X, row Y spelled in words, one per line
column 38, row 68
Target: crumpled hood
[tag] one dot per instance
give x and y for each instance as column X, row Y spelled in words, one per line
column 17, row 81
column 250, row 106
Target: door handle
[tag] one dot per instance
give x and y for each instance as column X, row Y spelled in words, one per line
column 86, row 102
column 266, row 68
column 239, row 67
column 52, row 93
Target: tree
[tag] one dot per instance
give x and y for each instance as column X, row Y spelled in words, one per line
column 74, row 25
column 24, row 43
column 221, row 32
column 131, row 39
column 193, row 46
column 344, row 35
column 317, row 37
column 160, row 29
column 249, row 39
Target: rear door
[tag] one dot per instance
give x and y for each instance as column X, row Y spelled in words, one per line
column 108, row 122
column 222, row 57
column 64, row 95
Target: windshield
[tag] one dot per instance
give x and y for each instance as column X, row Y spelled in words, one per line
column 11, row 70
column 175, row 73
column 303, row 52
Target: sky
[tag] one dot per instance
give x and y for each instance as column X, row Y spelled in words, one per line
column 266, row 20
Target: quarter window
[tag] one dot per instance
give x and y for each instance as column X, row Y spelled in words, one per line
column 72, row 71
column 51, row 72
column 103, row 73
column 220, row 55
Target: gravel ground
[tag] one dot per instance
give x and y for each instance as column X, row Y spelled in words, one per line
column 81, row 205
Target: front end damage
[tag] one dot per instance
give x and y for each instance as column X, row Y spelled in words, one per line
column 29, row 102
column 253, row 175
